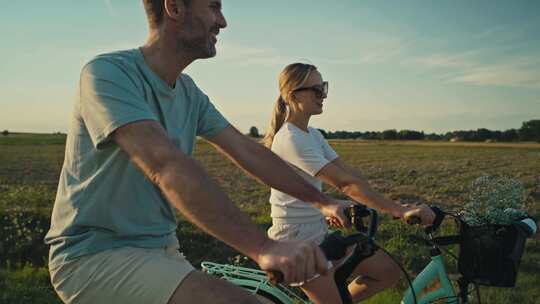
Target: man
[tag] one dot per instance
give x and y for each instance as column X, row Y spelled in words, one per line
column 128, row 166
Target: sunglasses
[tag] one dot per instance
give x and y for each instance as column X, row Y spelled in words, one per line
column 320, row 90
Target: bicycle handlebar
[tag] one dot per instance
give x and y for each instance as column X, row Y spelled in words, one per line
column 335, row 246
column 439, row 217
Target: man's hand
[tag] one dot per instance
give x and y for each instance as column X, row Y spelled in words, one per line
column 297, row 261
column 422, row 211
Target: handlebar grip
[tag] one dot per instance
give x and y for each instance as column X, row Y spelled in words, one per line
column 274, row 276
column 414, row 220
column 439, row 217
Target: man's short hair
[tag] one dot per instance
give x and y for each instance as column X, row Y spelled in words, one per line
column 154, row 11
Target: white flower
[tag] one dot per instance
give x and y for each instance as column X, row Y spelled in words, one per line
column 494, row 200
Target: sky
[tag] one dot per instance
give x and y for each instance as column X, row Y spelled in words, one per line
column 431, row 66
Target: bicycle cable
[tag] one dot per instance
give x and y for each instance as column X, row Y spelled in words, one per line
column 402, row 270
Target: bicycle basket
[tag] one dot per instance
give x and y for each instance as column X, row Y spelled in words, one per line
column 490, row 254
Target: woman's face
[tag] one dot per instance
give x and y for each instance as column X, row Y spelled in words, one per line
column 309, row 97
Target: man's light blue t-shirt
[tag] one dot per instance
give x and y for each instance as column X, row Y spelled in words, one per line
column 103, row 200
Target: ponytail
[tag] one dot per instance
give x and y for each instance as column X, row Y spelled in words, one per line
column 279, row 114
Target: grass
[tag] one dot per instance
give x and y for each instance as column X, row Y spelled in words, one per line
column 405, row 171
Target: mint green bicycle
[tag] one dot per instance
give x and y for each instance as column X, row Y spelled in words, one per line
column 476, row 267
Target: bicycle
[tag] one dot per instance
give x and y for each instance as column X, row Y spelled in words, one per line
column 260, row 284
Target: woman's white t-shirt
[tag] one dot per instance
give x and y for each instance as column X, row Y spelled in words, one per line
column 307, row 153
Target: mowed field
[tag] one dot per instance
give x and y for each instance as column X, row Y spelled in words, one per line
column 430, row 172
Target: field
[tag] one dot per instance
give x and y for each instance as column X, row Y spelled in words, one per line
column 428, row 172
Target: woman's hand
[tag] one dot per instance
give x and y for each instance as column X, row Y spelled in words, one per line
column 334, row 213
column 421, row 211
column 332, row 221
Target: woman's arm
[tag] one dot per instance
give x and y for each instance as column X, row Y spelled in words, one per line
column 353, row 184
column 271, row 170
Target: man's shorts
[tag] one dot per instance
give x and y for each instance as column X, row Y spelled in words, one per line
column 122, row 275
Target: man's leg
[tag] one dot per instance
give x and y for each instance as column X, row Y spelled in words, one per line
column 201, row 288
column 375, row 274
column 139, row 275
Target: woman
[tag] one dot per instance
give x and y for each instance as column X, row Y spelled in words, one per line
column 302, row 93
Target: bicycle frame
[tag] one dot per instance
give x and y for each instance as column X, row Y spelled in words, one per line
column 251, row 280
column 435, row 269
column 254, row 280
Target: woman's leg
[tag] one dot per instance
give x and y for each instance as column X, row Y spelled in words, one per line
column 322, row 290
column 375, row 274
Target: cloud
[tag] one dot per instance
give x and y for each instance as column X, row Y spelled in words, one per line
column 501, row 75
column 446, row 61
column 471, row 68
column 241, row 55
column 373, row 50
column 364, row 48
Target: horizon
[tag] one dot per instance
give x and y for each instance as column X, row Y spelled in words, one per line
column 419, row 66
column 262, row 134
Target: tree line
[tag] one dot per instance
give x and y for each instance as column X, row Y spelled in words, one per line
column 529, row 131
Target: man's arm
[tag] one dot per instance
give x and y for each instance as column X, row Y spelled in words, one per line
column 268, row 168
column 189, row 189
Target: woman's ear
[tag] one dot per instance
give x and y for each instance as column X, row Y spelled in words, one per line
column 291, row 97
column 291, row 102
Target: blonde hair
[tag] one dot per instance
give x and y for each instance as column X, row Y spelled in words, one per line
column 292, row 77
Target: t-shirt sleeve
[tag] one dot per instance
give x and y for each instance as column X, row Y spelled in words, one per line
column 210, row 121
column 300, row 152
column 108, row 100
column 329, row 152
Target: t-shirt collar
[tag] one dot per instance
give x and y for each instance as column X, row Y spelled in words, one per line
column 297, row 128
column 159, row 84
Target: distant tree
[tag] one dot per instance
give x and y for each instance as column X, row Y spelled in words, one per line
column 389, row 134
column 343, row 135
column 254, row 132
column 323, row 132
column 5, row 133
column 371, row 135
column 483, row 135
column 411, row 135
column 530, row 130
column 448, row 135
column 496, row 135
column 463, row 135
column 357, row 135
column 510, row 135
column 434, row 136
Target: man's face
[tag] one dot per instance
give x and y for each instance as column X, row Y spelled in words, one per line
column 202, row 22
